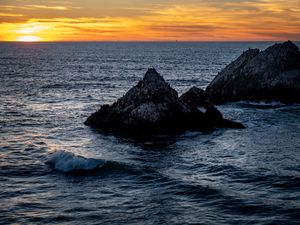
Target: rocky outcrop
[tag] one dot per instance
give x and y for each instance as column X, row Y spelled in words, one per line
column 153, row 106
column 272, row 74
column 194, row 97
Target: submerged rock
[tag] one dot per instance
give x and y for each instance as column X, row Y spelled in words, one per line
column 272, row 74
column 152, row 106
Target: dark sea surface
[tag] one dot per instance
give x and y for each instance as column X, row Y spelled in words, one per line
column 55, row 170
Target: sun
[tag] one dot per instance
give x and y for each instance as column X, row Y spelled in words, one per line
column 29, row 38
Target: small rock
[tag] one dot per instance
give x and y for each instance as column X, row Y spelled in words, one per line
column 194, row 97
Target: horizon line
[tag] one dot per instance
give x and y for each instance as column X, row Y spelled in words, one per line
column 151, row 41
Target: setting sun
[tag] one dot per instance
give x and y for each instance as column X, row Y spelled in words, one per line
column 29, row 38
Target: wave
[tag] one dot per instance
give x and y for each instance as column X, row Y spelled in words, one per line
column 266, row 104
column 68, row 162
column 261, row 104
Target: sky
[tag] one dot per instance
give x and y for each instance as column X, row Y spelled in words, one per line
column 149, row 20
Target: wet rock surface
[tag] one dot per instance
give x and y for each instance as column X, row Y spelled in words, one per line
column 272, row 74
column 153, row 106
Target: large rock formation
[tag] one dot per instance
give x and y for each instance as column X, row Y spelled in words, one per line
column 272, row 74
column 153, row 106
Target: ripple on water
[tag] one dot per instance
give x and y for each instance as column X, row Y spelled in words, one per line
column 248, row 176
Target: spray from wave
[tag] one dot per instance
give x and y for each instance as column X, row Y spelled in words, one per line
column 69, row 162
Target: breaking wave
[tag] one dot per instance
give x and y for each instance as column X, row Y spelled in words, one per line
column 68, row 162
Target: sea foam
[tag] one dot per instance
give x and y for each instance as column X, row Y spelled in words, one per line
column 68, row 162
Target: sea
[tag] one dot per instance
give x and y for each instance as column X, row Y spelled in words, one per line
column 56, row 170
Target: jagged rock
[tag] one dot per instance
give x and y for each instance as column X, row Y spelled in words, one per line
column 194, row 97
column 272, row 74
column 152, row 106
column 215, row 116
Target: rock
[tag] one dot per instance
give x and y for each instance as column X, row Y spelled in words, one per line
column 194, row 97
column 214, row 115
column 151, row 106
column 272, row 74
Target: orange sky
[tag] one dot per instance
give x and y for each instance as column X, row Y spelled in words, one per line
column 149, row 20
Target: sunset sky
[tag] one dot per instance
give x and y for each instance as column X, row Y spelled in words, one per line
column 149, row 20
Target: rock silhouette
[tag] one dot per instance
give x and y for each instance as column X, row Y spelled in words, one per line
column 194, row 97
column 272, row 74
column 152, row 106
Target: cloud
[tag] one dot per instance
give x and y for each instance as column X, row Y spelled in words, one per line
column 155, row 20
column 30, row 7
column 47, row 7
column 92, row 30
column 10, row 15
column 184, row 28
column 11, row 18
column 280, row 35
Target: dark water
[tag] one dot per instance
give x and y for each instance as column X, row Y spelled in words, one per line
column 47, row 90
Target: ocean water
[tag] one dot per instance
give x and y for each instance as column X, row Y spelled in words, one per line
column 55, row 170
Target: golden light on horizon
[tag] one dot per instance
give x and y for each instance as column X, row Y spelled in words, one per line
column 216, row 20
column 29, row 39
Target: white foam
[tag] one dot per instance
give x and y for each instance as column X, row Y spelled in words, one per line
column 67, row 162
